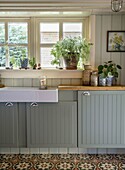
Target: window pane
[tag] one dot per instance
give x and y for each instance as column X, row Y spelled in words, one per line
column 16, row 53
column 49, row 32
column 72, row 29
column 2, row 57
column 2, row 33
column 18, row 33
column 46, row 57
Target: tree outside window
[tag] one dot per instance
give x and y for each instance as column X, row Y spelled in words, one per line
column 13, row 43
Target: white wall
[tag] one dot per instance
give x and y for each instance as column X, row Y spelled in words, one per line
column 100, row 24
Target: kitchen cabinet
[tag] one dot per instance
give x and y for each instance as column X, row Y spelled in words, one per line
column 101, row 119
column 39, row 124
column 8, row 125
column 52, row 125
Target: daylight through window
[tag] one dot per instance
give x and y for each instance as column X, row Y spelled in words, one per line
column 13, row 43
column 50, row 33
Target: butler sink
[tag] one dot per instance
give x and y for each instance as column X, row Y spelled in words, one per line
column 28, row 94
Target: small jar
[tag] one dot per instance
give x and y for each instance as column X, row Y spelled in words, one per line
column 86, row 76
column 94, row 78
column 43, row 84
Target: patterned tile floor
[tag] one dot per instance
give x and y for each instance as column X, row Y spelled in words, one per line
column 62, row 162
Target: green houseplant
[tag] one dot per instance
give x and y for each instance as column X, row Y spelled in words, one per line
column 32, row 62
column 108, row 71
column 71, row 50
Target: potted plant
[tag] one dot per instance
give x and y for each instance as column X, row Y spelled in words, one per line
column 24, row 62
column 32, row 62
column 107, row 72
column 71, row 50
column 18, row 58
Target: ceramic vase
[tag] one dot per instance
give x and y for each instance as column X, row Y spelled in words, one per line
column 109, row 81
column 102, row 81
column 24, row 63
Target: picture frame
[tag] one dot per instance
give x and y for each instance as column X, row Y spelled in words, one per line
column 115, row 41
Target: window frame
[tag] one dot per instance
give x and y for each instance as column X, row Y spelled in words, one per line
column 34, row 30
column 84, row 21
column 16, row 20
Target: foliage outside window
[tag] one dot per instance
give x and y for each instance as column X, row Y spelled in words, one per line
column 14, row 40
column 13, row 43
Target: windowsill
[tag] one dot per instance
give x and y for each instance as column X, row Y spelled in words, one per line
column 50, row 73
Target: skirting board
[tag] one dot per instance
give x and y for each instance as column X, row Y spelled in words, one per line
column 60, row 151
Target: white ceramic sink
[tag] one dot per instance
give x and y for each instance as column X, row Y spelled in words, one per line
column 28, row 94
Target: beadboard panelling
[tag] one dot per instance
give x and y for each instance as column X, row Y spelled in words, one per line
column 116, row 25
column 59, row 130
column 8, row 125
column 98, row 41
column 106, row 20
column 123, row 55
column 102, row 124
column 24, row 150
column 29, row 82
column 60, row 151
column 18, row 82
column 50, row 73
column 103, row 24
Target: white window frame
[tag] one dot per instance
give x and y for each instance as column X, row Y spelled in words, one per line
column 34, row 30
column 17, row 20
column 85, row 33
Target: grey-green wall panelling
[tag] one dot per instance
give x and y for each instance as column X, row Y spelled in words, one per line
column 101, row 118
column 18, row 82
column 52, row 125
column 8, row 82
column 22, row 125
column 68, row 95
column 8, row 125
column 27, row 82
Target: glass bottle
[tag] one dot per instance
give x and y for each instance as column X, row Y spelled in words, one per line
column 94, row 78
column 43, row 83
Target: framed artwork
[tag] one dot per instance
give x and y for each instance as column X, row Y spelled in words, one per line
column 115, row 41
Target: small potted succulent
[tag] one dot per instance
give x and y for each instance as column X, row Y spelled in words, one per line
column 107, row 72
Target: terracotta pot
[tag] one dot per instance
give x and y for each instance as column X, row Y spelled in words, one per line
column 71, row 63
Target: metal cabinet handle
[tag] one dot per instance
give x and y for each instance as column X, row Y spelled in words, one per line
column 86, row 93
column 34, row 104
column 9, row 104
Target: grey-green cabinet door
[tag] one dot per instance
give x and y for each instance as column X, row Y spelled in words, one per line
column 101, row 119
column 8, row 125
column 52, row 125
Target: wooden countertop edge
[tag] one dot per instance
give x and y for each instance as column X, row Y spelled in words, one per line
column 68, row 87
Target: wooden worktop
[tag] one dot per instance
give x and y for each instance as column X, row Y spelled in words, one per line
column 75, row 87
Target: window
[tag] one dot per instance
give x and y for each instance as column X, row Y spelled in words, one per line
column 2, row 49
column 18, row 40
column 51, row 32
column 72, row 29
column 13, row 43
